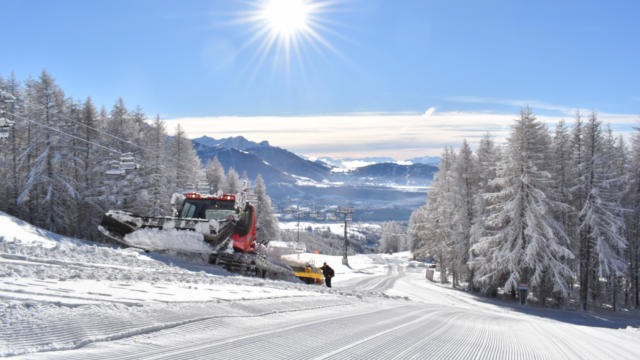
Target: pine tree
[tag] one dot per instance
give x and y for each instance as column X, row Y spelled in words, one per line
column 528, row 244
column 436, row 231
column 393, row 237
column 632, row 203
column 184, row 160
column 155, row 195
column 10, row 109
column 90, row 156
column 466, row 185
column 49, row 186
column 487, row 156
column 418, row 231
column 215, row 175
column 601, row 222
column 266, row 222
column 233, row 182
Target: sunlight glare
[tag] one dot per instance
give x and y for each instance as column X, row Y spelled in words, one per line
column 282, row 29
column 286, row 17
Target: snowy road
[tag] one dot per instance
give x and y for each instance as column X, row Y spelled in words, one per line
column 60, row 299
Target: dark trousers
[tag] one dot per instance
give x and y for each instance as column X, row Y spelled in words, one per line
column 327, row 281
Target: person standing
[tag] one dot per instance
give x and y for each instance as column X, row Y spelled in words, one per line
column 328, row 273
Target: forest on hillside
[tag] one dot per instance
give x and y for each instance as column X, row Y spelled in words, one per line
column 65, row 163
column 557, row 211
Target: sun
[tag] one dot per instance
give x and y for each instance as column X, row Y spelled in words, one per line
column 286, row 17
column 282, row 29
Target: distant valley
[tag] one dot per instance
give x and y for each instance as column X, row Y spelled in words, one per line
column 379, row 191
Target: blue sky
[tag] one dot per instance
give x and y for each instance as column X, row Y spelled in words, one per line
column 190, row 61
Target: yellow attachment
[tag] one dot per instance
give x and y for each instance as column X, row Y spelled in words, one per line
column 310, row 274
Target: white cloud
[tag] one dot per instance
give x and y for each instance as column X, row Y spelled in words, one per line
column 514, row 102
column 358, row 135
column 429, row 112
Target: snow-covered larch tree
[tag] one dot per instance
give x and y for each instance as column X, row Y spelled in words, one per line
column 266, row 222
column 436, row 231
column 487, row 161
column 602, row 240
column 393, row 237
column 528, row 244
column 632, row 202
column 156, row 178
column 233, row 182
column 184, row 161
column 418, row 231
column 215, row 175
column 49, row 187
column 465, row 175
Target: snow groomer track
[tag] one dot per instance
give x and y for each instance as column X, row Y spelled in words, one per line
column 65, row 299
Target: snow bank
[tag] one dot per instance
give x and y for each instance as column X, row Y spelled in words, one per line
column 155, row 240
column 59, row 293
column 12, row 229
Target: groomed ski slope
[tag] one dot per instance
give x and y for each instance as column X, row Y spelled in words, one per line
column 62, row 298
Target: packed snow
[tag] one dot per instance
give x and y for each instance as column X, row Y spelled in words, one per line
column 63, row 298
column 336, row 228
column 172, row 239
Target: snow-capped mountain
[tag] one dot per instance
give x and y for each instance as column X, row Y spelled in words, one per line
column 388, row 189
column 429, row 160
column 274, row 163
column 280, row 165
column 237, row 142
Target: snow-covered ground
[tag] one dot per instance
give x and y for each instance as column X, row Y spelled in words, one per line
column 62, row 298
column 337, row 228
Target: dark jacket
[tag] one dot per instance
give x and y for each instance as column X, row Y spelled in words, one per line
column 327, row 271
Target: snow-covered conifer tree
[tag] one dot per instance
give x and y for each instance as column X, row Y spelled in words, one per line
column 465, row 174
column 417, row 231
column 528, row 244
column 266, row 222
column 233, row 182
column 215, row 175
column 11, row 108
column 156, row 177
column 601, row 219
column 393, row 237
column 632, row 203
column 437, row 230
column 487, row 162
column 184, row 160
column 49, row 186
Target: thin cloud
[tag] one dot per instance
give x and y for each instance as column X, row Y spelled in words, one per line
column 398, row 135
column 513, row 102
column 429, row 112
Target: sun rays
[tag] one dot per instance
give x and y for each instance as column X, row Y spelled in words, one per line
column 285, row 29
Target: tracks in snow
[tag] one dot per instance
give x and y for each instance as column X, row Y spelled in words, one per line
column 327, row 326
column 378, row 332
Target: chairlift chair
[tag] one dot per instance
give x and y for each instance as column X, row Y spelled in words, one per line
column 5, row 125
column 7, row 97
column 128, row 162
column 114, row 168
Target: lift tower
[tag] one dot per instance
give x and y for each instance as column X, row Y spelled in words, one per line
column 346, row 212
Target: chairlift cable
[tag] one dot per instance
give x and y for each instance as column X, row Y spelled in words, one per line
column 99, row 131
column 106, row 133
column 76, row 137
